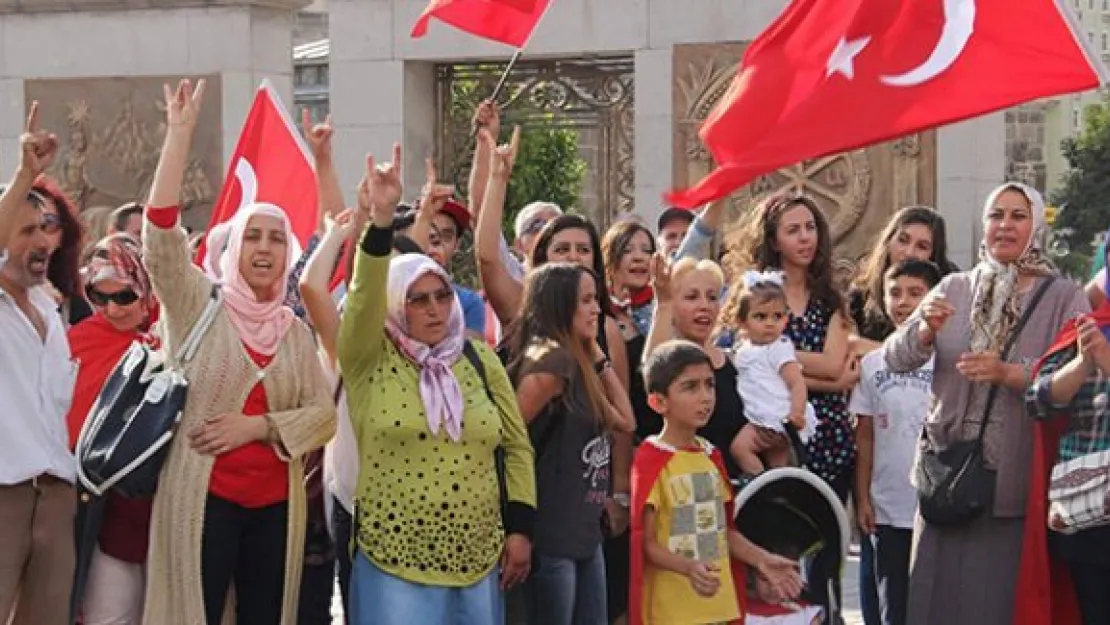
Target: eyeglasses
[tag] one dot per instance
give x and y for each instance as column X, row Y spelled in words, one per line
column 423, row 301
column 125, row 297
column 51, row 223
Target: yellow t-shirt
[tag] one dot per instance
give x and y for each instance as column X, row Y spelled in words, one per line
column 689, row 500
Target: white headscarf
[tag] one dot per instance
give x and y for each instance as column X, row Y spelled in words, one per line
column 997, row 303
column 439, row 388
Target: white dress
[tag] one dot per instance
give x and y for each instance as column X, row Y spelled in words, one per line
column 761, row 386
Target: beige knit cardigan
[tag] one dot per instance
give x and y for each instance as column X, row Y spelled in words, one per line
column 221, row 376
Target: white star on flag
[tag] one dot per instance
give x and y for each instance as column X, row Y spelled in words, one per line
column 844, row 55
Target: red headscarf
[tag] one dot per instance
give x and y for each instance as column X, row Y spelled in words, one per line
column 1044, row 592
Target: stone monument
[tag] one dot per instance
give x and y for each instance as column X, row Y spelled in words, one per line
column 97, row 68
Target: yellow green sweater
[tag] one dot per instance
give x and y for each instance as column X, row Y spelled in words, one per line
column 428, row 509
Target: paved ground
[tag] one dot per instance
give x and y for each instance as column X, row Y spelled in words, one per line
column 849, row 586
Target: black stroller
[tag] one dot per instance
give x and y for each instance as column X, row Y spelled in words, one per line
column 794, row 513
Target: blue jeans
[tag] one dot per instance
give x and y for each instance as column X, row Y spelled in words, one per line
column 568, row 592
column 378, row 598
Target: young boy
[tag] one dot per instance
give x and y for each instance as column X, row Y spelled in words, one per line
column 685, row 550
column 890, row 408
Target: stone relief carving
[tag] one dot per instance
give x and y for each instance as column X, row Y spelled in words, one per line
column 856, row 190
column 111, row 132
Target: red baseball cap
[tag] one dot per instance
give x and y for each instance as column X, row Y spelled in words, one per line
column 455, row 210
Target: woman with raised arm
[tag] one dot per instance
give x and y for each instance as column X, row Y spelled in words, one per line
column 230, row 509
column 431, row 412
column 965, row 573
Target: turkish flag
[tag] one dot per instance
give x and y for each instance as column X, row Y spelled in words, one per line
column 834, row 75
column 507, row 21
column 271, row 164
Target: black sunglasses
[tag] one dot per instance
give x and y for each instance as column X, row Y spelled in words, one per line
column 125, row 297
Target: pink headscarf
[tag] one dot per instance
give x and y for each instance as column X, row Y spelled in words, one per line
column 261, row 324
column 439, row 388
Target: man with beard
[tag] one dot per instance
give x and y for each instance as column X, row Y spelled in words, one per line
column 37, row 499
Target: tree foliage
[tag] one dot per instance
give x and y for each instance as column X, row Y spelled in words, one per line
column 548, row 166
column 1084, row 196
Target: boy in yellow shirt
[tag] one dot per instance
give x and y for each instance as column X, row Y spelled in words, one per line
column 686, row 555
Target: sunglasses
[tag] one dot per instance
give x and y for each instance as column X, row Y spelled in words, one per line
column 423, row 301
column 534, row 226
column 125, row 297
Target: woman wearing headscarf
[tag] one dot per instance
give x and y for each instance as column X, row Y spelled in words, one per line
column 429, row 412
column 117, row 286
column 230, row 508
column 966, row 574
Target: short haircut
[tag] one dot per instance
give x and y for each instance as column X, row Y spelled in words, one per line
column 668, row 361
column 756, row 295
column 124, row 213
column 926, row 271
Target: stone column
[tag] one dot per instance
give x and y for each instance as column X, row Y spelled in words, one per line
column 971, row 162
column 241, row 41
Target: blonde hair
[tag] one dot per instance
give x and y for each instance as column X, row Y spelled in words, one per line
column 690, row 265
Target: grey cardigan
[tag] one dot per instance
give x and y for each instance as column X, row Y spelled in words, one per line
column 957, row 407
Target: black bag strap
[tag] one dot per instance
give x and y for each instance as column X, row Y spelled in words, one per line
column 1010, row 342
column 475, row 361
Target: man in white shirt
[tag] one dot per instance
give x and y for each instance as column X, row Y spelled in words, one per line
column 37, row 470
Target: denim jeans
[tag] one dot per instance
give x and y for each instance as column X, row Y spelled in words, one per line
column 568, row 592
column 378, row 598
column 892, row 547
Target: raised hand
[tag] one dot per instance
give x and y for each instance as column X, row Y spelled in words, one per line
column 318, row 135
column 503, row 157
column 433, row 195
column 936, row 311
column 37, row 147
column 661, row 277
column 339, row 226
column 487, row 117
column 380, row 190
column 183, row 105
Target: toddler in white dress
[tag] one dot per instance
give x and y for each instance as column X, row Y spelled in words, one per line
column 769, row 377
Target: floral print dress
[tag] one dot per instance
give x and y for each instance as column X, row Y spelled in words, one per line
column 832, row 450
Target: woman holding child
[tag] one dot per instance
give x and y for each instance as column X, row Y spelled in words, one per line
column 965, row 574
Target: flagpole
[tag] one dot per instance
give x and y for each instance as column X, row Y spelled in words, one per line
column 512, row 61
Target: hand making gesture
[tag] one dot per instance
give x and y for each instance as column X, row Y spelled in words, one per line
column 318, row 135
column 37, row 146
column 433, row 195
column 380, row 190
column 183, row 105
column 502, row 157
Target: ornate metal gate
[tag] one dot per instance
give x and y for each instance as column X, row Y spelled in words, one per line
column 593, row 96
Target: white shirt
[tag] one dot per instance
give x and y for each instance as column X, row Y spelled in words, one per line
column 341, row 453
column 897, row 404
column 762, row 388
column 36, row 388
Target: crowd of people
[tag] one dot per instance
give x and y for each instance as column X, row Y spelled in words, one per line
column 564, row 447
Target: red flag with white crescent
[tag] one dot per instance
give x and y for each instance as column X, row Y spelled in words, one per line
column 271, row 164
column 834, row 75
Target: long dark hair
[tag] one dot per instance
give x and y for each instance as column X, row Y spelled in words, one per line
column 547, row 311
column 64, row 271
column 575, row 222
column 870, row 281
column 752, row 246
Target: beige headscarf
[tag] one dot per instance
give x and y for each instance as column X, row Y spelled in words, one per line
column 997, row 303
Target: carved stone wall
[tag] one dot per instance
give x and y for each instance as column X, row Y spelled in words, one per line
column 1025, row 145
column 110, row 132
column 857, row 190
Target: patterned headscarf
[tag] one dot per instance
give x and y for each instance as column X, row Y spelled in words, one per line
column 996, row 307
column 439, row 388
column 119, row 257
